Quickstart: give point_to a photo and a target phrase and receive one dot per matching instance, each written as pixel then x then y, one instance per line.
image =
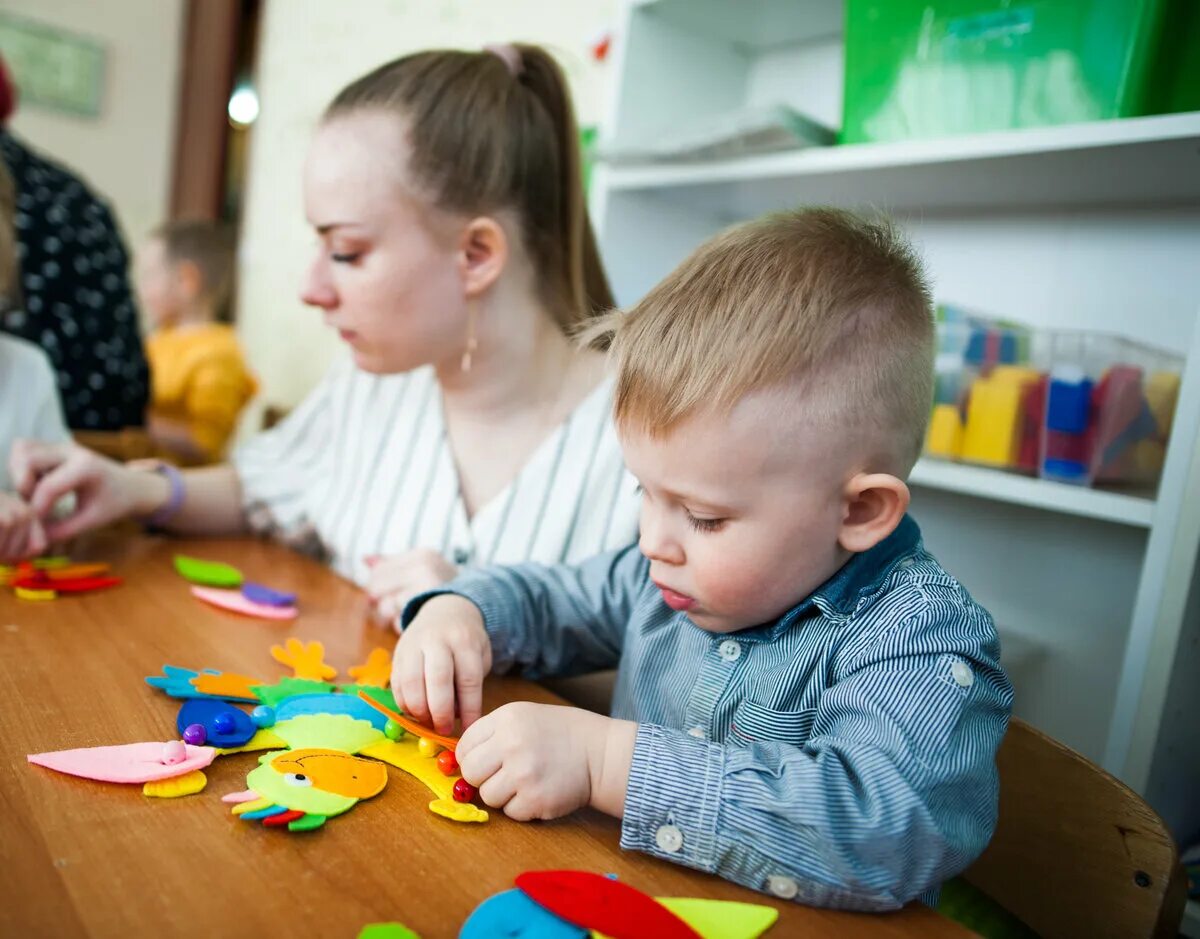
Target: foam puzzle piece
pixel 233 602
pixel 124 763
pixel 70 571
pixel 266 596
pixel 282 818
pixel 307 823
pixel 66 585
pixel 224 724
pixel 403 754
pixel 332 771
pixel 289 687
pixel 381 695
pixel 458 811
pixel 246 795
pixel 54 562
pixel 207 573
pixel 722 919
pixel 306 660
pixel 417 730
pixel 265 739
pixel 176 786
pixel 375 671
pixel 607 906
pixel 36 596
pixel 327 731
pixel 386 931
pixel 177 682
pixel 512 913
pixel 229 686
pixel 351 705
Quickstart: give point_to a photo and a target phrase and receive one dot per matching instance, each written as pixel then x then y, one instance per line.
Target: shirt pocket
pixel 757 723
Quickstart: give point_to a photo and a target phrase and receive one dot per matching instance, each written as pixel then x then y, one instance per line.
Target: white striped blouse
pixel 363 467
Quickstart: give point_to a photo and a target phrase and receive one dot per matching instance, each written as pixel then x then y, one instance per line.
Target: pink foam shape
pixel 125 763
pixel 235 602
pixel 246 795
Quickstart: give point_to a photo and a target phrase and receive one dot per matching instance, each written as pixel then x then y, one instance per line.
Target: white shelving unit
pixel 1080 226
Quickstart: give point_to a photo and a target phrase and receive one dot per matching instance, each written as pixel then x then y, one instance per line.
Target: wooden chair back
pixel 1077 852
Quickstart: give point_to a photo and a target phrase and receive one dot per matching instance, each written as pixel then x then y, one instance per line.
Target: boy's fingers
pixel 412 685
pixel 468 685
pixel 498 790
pixel 439 687
pixel 474 736
pixel 480 764
pixel 37 540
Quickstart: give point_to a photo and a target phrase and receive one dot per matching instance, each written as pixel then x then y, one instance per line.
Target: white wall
pixel 308 50
pixel 125 153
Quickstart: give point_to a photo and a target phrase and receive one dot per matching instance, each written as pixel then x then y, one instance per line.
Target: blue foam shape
pixel 512 913
pixel 257 593
pixel 263 813
pixel 177 682
pixel 330 703
pixel 204 711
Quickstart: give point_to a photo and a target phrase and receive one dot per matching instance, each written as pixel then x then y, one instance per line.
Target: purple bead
pixel 195 734
pixel 224 723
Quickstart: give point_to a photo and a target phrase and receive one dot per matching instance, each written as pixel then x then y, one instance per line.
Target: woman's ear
pixel 873 505
pixel 482 254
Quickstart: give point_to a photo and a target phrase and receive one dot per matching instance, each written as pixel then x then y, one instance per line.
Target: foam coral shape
pixel 305 660
pixel 234 602
pixel 227 685
pixel 376 671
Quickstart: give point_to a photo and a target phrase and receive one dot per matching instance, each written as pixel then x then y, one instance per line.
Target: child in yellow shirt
pixel 200 381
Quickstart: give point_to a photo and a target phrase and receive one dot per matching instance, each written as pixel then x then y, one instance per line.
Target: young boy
pixel 807 703
pixel 200 381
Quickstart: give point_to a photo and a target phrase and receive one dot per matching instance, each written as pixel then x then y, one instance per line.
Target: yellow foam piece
pixel 24 593
pixel 376 671
pixel 327 732
pixel 458 811
pixel 243 807
pixel 264 739
pixel 185 785
pixel 404 755
pixel 306 660
pixel 718 919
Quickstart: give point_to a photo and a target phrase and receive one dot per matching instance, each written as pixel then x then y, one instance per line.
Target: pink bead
pixel 174 752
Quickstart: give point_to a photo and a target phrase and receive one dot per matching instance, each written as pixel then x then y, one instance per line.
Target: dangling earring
pixel 471 342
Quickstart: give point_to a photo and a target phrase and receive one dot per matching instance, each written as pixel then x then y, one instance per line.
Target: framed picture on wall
pixel 53 68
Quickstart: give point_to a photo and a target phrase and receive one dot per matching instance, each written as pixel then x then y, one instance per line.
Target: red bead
pixel 464 791
pixel 447 763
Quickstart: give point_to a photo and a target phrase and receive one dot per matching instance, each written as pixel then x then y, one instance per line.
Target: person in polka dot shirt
pixel 77 302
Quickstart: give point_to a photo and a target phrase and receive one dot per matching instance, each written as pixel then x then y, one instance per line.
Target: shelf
pixel 1037 493
pixel 1190 926
pixel 1134 161
pixel 756 25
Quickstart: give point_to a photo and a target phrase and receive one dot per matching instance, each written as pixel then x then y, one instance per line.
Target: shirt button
pixel 697 732
pixel 783 887
pixel 962 674
pixel 669 839
pixel 730 650
pixel 461 555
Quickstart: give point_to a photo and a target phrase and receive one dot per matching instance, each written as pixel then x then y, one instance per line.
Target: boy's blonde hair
pixel 819 299
pixel 209 246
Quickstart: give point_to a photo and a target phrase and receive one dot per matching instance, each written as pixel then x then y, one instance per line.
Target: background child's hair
pixel 209 246
pixel 10 269
pixel 821 298
pixel 485 139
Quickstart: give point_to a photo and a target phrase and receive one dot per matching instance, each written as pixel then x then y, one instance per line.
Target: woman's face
pixel 385 274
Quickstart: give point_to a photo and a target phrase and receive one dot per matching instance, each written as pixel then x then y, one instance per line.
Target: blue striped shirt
pixel 842 755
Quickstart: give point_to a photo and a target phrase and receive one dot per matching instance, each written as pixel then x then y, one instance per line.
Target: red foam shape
pixel 67 585
pixel 607 906
pixel 283 817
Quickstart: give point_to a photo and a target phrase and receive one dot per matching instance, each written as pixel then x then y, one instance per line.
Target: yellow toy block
pixel 992 434
pixel 944 437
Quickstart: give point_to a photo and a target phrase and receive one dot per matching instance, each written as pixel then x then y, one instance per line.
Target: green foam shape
pixel 288 688
pixel 381 695
pixel 207 573
pixel 722 919
pixel 327 732
pixel 387 931
pixel 306 823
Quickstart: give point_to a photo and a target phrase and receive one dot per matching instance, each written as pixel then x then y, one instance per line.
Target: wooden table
pixel 80 858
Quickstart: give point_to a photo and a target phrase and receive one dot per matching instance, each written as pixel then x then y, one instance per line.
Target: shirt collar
pixel 841 592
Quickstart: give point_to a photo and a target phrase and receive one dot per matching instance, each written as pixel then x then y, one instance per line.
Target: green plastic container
pixel 936 68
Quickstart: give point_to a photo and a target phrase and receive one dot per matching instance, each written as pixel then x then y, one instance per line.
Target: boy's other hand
pixel 394 580
pixel 545 760
pixel 442 657
pixel 21 532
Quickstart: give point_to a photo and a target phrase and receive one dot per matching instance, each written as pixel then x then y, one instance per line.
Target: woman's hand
pixel 104 489
pixel 395 580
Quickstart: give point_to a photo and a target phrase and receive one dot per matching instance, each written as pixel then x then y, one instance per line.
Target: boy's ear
pixel 874 504
pixel 482 254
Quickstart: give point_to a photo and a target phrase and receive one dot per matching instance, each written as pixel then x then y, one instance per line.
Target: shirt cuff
pixel 673 797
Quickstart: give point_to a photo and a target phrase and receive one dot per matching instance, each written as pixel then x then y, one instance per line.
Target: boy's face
pixel 157 286
pixel 741 513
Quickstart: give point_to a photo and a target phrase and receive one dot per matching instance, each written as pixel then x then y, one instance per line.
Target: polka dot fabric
pixel 78 305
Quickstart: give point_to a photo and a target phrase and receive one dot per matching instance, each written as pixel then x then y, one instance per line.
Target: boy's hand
pixel 21 532
pixel 394 580
pixel 544 761
pixel 442 657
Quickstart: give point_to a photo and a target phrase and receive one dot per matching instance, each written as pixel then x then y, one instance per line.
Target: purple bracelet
pixel 165 512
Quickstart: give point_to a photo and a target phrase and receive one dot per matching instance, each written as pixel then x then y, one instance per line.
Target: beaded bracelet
pixel 169 509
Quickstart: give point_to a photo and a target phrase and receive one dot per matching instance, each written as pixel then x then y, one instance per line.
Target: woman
pixel 455 260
